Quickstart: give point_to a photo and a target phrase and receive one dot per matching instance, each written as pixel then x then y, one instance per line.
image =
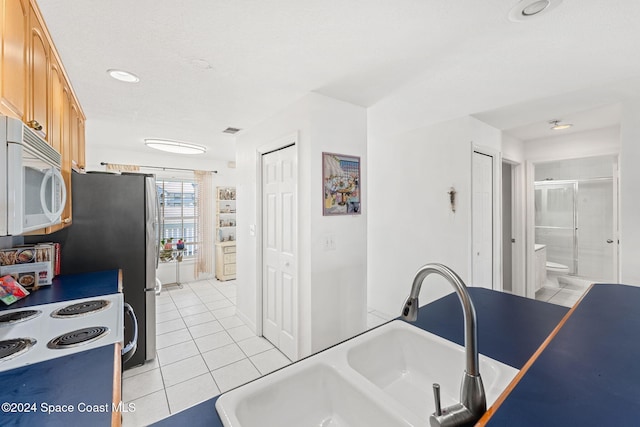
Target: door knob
pixel 609 241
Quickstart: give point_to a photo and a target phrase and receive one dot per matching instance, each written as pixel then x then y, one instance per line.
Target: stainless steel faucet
pixel 473 402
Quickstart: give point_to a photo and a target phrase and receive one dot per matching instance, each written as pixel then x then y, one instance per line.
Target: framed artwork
pixel 341 184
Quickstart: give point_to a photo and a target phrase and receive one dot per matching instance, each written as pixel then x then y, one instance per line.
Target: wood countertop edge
pixel 507 391
pixel 116 416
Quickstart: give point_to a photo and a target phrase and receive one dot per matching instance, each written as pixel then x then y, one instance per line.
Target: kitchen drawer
pixel 229 249
pixel 229 269
pixel 229 258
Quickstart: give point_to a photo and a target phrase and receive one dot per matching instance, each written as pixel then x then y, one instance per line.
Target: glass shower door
pixel 555 221
pixel 596 240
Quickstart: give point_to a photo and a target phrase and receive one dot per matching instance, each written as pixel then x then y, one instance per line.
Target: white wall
pixel 629 191
pixel 332 284
pixel 512 149
pixel 410 219
pixel 580 144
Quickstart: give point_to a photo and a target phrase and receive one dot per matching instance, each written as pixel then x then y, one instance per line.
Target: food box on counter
pixel 42 254
pixel 31 275
pixel 10 290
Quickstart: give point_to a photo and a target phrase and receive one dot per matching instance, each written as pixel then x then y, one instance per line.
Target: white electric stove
pixel 33 334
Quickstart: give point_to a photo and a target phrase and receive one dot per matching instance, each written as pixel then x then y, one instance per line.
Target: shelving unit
pixel 225 233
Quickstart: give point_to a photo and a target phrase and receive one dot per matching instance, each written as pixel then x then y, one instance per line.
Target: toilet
pixel 555 270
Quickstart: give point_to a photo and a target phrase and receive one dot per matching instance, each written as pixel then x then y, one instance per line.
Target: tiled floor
pixel 569 292
pixel 203 349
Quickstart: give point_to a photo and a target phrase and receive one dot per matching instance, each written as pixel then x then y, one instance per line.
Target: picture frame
pixel 341 185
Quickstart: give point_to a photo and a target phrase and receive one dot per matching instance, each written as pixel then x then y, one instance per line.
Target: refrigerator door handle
pixel 129 350
pixel 157 289
pixel 157 226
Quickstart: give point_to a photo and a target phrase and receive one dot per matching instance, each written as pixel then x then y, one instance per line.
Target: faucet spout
pixel 472 396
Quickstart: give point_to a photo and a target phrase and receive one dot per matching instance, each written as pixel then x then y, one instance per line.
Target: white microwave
pixel 32 190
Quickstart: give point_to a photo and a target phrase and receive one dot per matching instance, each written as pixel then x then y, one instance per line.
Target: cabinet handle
pixel 33 124
pixel 67 220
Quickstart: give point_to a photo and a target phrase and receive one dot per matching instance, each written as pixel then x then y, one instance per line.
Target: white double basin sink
pixel 382 378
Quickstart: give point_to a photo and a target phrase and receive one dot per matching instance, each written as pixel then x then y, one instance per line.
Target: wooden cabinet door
pixel 59 130
pixel 81 142
pixel 14 21
pixel 77 138
pixel 56 104
pixel 38 72
pixel 69 127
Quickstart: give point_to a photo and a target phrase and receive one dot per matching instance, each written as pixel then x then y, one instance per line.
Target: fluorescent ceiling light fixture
pixel 559 126
pixel 175 146
pixel 528 9
pixel 123 76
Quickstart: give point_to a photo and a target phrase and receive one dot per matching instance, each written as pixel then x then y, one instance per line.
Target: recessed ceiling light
pixel 175 146
pixel 559 126
pixel 527 9
pixel 123 76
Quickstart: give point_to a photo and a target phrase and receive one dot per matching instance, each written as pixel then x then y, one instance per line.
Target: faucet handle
pixel 436 397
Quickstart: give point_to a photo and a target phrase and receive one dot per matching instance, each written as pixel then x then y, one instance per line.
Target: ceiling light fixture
pixel 527 9
pixel 535 8
pixel 557 126
pixel 175 146
pixel 123 76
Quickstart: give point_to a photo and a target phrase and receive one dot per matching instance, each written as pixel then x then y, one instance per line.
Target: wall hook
pixel 452 198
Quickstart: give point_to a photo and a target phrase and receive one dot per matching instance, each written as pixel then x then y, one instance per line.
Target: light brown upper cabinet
pixel 38 75
pixel 76 137
pixel 59 131
pixel 14 18
pixel 35 88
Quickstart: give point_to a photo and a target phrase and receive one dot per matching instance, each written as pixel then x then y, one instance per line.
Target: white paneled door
pixel 279 264
pixel 482 225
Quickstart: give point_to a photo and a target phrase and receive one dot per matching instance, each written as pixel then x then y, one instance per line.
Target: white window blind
pixel 178 212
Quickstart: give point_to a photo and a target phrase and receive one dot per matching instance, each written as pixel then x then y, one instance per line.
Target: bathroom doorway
pixel 576 223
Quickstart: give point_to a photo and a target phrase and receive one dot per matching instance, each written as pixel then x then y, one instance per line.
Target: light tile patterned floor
pixel 203 349
pixel 567 294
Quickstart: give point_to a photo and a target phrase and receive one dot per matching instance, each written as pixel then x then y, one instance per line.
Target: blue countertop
pixel 585 376
pixel 510 329
pixel 71 287
pixel 588 375
pixel 80 381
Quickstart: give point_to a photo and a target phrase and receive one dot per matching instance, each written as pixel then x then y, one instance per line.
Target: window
pixel 178 212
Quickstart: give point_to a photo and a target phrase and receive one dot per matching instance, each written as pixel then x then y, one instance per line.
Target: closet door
pixel 279 235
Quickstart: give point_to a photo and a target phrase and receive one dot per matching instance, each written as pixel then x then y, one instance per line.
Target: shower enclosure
pixel 575 219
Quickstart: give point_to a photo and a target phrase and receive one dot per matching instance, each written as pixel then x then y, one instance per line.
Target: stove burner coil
pixel 18 316
pixel 81 308
pixel 15 347
pixel 78 337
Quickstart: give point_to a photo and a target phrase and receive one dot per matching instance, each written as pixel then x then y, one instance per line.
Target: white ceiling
pixel 209 64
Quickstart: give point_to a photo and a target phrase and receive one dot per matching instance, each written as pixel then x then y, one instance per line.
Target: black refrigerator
pixel 115 225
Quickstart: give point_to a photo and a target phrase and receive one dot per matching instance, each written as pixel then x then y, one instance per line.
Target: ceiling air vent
pixel 232 131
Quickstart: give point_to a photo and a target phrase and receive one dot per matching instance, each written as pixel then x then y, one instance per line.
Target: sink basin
pixel 380 378
pixel 404 361
pixel 316 395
